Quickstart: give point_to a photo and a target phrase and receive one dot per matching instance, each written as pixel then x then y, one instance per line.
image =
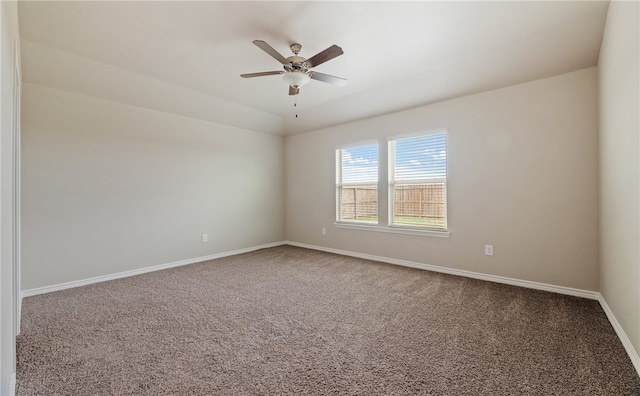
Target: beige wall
pixel 619 67
pixel 109 187
pixel 522 176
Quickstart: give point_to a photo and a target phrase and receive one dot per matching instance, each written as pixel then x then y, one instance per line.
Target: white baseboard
pixel 12 390
pixel 469 274
pixel 633 355
pixel 452 271
pixel 118 275
pixel 626 342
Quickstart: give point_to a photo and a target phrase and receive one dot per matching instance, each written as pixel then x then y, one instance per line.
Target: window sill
pixel 394 230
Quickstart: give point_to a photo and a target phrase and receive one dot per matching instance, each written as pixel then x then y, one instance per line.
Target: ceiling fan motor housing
pixel 296 64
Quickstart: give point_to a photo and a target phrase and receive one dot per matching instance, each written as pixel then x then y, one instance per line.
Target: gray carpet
pixel 291 321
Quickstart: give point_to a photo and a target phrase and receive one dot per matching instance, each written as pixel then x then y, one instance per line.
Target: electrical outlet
pixel 324 231
pixel 205 238
pixel 488 250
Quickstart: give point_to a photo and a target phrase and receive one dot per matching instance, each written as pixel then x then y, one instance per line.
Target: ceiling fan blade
pixel 260 74
pixel 293 90
pixel 340 82
pixel 324 56
pixel 269 50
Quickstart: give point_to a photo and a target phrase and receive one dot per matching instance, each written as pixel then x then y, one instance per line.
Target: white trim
pixel 592 295
pixel 17 258
pixel 628 346
pixel 393 229
pixel 12 388
pixel 125 274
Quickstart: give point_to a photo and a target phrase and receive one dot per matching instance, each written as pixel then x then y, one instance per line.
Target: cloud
pixel 348 158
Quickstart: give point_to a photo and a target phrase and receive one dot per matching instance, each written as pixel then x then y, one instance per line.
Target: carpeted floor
pixel 291 321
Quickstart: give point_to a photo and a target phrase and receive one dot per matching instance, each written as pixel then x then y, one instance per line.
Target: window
pixel 418 181
pixel 357 184
pixel 412 198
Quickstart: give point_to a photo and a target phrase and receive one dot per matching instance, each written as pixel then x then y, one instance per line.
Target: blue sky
pixel 416 158
pixel 422 157
pixel 360 164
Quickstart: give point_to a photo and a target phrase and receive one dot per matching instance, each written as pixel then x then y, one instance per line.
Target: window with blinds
pixel 418 181
pixel 357 184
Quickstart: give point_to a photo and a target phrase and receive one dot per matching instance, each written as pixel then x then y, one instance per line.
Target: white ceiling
pixel 186 57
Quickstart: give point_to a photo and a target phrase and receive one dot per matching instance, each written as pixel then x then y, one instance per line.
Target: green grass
pixel 371 219
pixel 417 221
pixel 410 221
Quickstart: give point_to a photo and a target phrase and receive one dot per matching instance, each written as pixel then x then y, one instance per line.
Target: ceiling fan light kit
pixel 296 79
pixel 297 69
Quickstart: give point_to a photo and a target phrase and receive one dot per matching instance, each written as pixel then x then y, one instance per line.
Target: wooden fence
pixel 419 204
pixel 359 203
pixel 411 202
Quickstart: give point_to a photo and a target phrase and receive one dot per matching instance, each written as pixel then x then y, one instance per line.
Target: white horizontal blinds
pixel 417 185
pixel 357 184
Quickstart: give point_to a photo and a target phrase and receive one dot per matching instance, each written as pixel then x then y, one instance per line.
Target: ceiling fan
pixel 297 71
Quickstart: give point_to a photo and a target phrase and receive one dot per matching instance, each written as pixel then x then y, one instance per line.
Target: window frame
pixel 392 182
pixel 384 191
pixel 339 184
